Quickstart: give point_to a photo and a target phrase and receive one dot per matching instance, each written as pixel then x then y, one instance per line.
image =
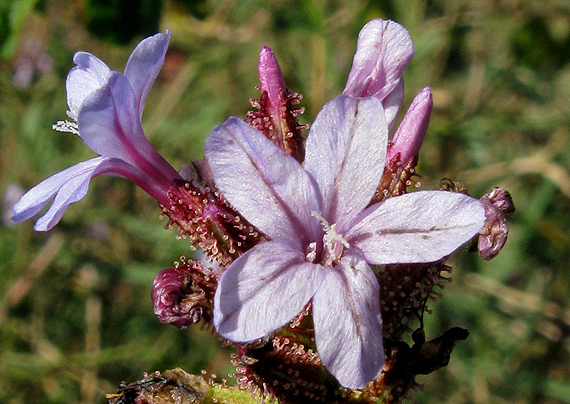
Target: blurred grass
pixel 75 312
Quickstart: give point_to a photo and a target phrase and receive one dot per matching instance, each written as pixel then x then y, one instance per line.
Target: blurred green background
pixel 75 313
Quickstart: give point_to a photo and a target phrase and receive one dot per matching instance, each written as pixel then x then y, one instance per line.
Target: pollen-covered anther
pixel 311 253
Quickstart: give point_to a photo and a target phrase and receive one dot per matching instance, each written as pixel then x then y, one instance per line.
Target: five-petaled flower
pixel 323 235
pixel 106 109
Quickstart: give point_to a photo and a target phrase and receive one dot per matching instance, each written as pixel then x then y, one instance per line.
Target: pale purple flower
pixel 383 51
pixel 106 109
pixel 323 235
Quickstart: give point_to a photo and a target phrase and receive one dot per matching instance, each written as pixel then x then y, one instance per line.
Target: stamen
pixel 333 241
pixel 66 126
pixel 311 253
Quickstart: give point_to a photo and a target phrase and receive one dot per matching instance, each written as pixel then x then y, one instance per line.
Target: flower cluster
pixel 317 239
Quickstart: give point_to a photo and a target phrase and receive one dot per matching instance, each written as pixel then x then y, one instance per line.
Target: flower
pixel 323 235
pixel 182 295
pixel 383 52
pixel 106 109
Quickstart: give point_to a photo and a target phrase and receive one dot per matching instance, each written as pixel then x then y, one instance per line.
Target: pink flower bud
pixel 276 115
pixel 271 81
pixel 412 130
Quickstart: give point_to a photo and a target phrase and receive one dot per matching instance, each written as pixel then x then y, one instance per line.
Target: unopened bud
pixel 183 295
pixel 271 80
pixel 276 115
pixel 412 130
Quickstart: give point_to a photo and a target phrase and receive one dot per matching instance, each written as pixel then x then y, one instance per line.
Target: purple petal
pixel 348 326
pixel 144 64
pixel 263 290
pixel 345 153
pixel 410 134
pixel 68 186
pixel 383 51
pixel 392 103
pixel 89 75
pixel 109 124
pixel 37 197
pixel 268 187
pixel 418 227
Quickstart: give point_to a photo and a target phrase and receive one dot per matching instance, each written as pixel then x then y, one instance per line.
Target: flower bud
pixel 276 116
pixel 182 295
pixel 412 130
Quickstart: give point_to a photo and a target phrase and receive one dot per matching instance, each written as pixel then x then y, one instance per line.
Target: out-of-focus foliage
pixel 75 312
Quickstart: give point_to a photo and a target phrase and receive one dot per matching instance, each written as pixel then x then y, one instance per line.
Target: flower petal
pixel 418 227
pixel 68 186
pixel 144 64
pixel 392 103
pixel 109 124
pixel 89 75
pixel 348 325
pixel 266 186
pixel 108 121
pixel 345 153
pixel 383 51
pixel 37 197
pixel 263 290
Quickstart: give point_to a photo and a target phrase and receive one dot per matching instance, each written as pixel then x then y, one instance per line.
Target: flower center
pixel 333 243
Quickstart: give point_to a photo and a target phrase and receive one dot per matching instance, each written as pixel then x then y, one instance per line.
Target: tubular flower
pixel 324 235
pixel 383 52
pixel 106 108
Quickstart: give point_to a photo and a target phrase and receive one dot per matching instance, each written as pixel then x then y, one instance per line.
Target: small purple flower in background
pixel 106 109
pixel 12 193
pixel 323 236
